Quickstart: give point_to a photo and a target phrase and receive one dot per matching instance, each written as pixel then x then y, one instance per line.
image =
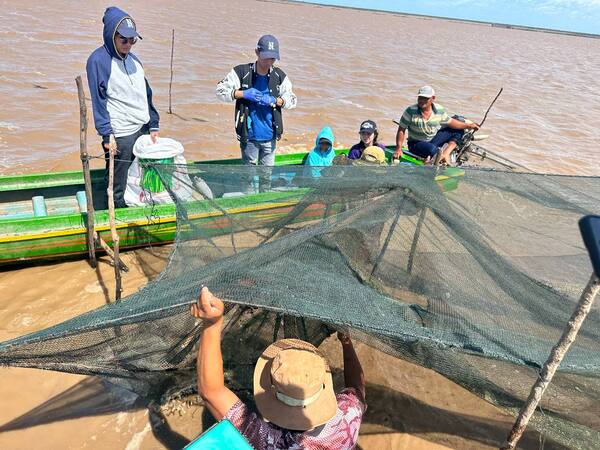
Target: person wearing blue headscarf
pixel 323 153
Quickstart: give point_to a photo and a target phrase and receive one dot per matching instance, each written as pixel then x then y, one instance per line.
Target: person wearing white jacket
pixel 260 92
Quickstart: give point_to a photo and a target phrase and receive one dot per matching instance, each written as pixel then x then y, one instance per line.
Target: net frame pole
pixel 551 365
pixel 388 238
pixel 171 79
pixel 423 212
pixel 85 162
pixel 111 215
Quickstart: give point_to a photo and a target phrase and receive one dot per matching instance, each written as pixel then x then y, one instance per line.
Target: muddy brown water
pixel 346 66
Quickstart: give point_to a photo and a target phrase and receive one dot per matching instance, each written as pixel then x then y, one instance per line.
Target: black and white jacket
pixel 242 77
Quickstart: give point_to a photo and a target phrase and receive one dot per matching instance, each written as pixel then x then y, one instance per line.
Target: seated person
pixel 430 129
pixel 322 154
pixel 293 390
pixel 368 136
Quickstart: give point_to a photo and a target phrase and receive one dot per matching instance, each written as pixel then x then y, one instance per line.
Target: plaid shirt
pixel 340 433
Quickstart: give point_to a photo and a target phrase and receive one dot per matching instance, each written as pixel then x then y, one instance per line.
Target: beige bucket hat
pixel 372 155
pixel 293 387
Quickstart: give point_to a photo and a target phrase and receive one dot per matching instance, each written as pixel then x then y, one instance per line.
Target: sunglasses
pixel 125 40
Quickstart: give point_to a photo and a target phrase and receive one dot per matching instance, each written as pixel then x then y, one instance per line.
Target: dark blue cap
pixel 127 28
pixel 268 47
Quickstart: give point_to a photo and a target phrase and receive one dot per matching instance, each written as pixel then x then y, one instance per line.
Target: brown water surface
pixel 346 66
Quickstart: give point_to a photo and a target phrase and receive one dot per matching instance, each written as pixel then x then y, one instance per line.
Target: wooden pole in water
pixel 111 214
pixel 171 81
pixel 556 355
pixel 85 162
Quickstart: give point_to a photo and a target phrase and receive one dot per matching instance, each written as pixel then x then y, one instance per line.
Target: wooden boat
pixel 43 216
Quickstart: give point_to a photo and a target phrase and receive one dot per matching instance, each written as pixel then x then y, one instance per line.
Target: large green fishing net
pixel 471 273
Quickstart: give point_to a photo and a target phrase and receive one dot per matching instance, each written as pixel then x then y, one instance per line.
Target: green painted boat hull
pixel 58 236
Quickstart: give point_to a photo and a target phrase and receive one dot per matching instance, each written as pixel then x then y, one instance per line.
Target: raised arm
pixel 353 373
pixel 211 381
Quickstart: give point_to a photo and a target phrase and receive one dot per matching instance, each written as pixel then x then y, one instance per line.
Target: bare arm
pixel 353 373
pixel 399 142
pixel 211 381
pixel 458 125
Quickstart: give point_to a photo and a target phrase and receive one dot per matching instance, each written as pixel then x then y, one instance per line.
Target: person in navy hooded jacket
pixel 121 95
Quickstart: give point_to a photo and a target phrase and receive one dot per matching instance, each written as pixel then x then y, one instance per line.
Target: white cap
pixel 426 91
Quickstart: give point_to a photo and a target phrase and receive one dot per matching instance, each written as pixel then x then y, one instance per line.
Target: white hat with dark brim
pixel 426 91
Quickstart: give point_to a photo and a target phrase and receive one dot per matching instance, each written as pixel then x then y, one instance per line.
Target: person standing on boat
pixel 430 129
pixel 293 390
pixel 121 95
pixel 369 134
pixel 260 92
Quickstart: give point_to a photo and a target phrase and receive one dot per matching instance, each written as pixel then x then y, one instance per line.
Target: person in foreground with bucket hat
pixel 369 134
pixel 293 390
pixel 370 156
pixel 430 129
pixel 121 95
pixel 260 91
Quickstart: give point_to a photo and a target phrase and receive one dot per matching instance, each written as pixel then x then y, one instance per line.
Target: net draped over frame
pixel 472 273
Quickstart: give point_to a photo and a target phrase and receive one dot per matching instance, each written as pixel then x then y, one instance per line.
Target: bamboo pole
pixel 556 355
pixel 85 162
pixel 111 214
pixel 171 80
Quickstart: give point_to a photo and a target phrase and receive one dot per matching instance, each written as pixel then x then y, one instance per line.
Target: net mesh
pixel 471 273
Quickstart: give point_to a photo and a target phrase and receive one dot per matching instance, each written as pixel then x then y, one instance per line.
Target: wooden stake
pixel 111 214
pixel 556 355
pixel 85 161
pixel 171 81
pixel 109 251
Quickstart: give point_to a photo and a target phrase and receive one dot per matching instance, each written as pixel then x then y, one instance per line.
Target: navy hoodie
pixel 121 95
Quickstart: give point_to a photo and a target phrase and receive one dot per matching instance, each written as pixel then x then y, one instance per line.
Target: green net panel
pixel 470 273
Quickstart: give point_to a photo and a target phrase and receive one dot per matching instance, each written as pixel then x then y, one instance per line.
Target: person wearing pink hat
pixel 293 390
